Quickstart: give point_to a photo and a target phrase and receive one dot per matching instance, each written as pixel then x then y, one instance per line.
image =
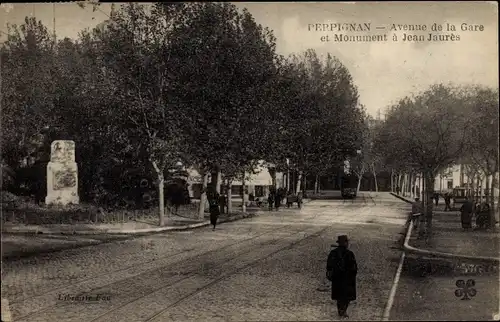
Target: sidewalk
pixel 449 238
pixel 28 240
pixel 432 269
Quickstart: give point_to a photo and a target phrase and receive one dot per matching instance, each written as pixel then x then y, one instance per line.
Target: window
pixel 236 190
pixel 259 191
pixel 449 184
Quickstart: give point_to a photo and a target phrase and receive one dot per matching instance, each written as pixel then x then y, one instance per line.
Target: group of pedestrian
pixel 447 200
pixel 275 198
pixel 481 211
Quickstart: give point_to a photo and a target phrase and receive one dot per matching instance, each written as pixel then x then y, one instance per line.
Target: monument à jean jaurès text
pixel 62 174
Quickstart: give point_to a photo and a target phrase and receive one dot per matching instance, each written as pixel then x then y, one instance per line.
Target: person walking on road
pixel 447 202
pixel 277 199
pixel 436 197
pixel 466 214
pixel 341 270
pixel 270 200
pixel 214 208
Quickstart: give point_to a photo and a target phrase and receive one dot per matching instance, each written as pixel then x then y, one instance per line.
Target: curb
pixel 427 253
pixel 129 231
pixel 432 254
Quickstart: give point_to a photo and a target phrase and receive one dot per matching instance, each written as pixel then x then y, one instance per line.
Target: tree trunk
pixel 430 178
pixel 316 186
pixel 496 212
pixel 203 198
pixel 480 187
pixel 375 177
pixel 161 193
pixel 392 181
pixel 299 183
pixel 161 199
pixel 229 197
pixel 421 231
pixel 487 189
pixel 218 182
pixel 272 173
pixel 360 176
pixel 244 206
pixel 492 206
pixel 404 183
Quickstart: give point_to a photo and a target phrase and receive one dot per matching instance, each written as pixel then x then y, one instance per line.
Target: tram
pixel 348 186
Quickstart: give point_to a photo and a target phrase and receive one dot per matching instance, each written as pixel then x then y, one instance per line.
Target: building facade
pixel 456 177
pixel 258 184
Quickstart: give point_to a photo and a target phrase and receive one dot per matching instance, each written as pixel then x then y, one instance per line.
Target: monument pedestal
pixel 62 175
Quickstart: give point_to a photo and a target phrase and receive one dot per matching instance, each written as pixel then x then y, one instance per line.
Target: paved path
pixel 264 268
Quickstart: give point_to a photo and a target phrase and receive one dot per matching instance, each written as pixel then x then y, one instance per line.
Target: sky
pixel 383 72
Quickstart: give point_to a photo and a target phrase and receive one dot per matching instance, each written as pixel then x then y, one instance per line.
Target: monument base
pixel 61 198
pixel 62 183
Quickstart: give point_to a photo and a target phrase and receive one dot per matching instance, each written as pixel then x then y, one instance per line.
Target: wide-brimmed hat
pixel 342 239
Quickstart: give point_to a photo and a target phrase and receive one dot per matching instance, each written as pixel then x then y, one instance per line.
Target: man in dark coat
pixel 447 202
pixel 466 214
pixel 436 198
pixel 277 199
pixel 270 200
pixel 341 270
pixel 214 208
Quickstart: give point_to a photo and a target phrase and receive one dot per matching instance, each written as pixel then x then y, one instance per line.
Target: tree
pixel 482 140
pixel 227 98
pixel 320 93
pixel 429 131
pixel 28 88
pixel 134 56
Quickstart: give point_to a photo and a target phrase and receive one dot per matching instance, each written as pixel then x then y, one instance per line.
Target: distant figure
pixel 270 200
pixel 213 201
pixel 466 214
pixel 277 199
pixel 416 206
pixel 300 197
pixel 483 216
pixel 398 190
pixel 436 198
pixel 341 270
pixel 447 202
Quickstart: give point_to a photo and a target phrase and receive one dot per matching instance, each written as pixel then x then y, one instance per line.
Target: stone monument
pixel 62 174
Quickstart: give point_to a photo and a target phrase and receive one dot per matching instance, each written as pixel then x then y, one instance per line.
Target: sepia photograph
pixel 250 161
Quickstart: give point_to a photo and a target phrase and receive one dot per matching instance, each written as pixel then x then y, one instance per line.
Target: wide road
pixel 269 267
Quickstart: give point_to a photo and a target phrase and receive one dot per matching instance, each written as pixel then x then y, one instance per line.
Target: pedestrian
pixel 214 209
pixel 270 200
pixel 466 214
pixel 300 197
pixel 447 202
pixel 341 270
pixel 397 190
pixel 416 208
pixel 277 199
pixel 483 216
pixel 436 197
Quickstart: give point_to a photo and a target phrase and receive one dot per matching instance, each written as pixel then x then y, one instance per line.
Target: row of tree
pixel 423 135
pixel 197 83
